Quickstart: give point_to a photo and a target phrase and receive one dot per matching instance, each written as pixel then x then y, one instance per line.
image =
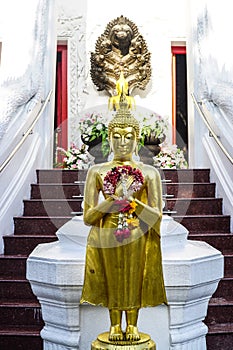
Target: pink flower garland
pixel 114 175
pixel 126 208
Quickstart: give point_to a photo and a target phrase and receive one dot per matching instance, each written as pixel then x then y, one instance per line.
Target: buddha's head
pixel 123 131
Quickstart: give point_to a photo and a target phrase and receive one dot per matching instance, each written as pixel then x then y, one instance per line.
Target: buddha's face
pixel 123 141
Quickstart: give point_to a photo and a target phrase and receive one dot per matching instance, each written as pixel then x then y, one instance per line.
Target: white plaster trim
pixel 20 176
pixel 219 167
pixel 221 171
pixel 17 188
pixel 71 29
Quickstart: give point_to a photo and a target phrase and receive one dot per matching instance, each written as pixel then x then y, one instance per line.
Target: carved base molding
pixel 102 343
pixel 72 30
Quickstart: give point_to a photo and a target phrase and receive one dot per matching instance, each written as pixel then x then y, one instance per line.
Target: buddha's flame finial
pixel 122 84
pixel 122 89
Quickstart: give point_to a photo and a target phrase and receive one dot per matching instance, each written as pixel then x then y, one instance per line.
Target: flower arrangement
pixel 170 157
pixel 93 127
pixel 75 158
pixel 127 219
pixel 153 127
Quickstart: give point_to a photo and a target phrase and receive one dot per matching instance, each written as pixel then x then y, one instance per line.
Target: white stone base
pixel 192 271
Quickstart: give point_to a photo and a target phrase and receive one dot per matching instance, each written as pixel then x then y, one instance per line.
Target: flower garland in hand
pixel 127 220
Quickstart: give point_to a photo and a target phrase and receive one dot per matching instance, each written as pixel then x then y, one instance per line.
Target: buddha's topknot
pixel 124 118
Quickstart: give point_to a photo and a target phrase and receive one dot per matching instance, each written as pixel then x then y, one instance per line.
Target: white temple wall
pixel 210 78
pixel 161 24
pixel 27 81
pixel 17 20
pixel 209 54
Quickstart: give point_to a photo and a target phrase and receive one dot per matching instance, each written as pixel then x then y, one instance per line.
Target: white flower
pixel 76 158
pixel 170 157
pixel 99 127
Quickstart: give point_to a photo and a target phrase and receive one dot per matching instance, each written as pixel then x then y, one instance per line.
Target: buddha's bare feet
pixel 115 333
pixel 132 333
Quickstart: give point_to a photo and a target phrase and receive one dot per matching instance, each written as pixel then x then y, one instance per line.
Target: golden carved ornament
pixel 121 48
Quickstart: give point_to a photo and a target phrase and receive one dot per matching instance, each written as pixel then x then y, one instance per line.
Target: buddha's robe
pixel 129 274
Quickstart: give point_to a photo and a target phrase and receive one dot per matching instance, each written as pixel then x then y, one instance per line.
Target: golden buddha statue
pixel 123 270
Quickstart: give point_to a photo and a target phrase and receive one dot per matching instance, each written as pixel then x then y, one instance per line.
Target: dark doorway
pixel 180 98
pixel 60 117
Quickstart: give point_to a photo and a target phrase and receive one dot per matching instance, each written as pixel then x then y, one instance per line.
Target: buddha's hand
pixel 123 187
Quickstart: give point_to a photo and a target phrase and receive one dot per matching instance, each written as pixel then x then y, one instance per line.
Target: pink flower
pixel 122 234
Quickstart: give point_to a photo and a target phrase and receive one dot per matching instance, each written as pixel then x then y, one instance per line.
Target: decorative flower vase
pixel 94 148
pixel 151 148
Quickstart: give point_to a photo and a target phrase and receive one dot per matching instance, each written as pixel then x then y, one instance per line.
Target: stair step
pixel 185 175
pixel 18 289
pixel 22 244
pixel 20 314
pixel 56 191
pixel 52 207
pixel 190 190
pixel 23 338
pixel 202 223
pixel 195 206
pixel 39 225
pixel 175 175
pixel 228 265
pixel 63 207
pixel 12 266
pixel 221 241
pixel 225 288
pixel 220 311
pixel 67 190
pixel 60 176
pixel 220 337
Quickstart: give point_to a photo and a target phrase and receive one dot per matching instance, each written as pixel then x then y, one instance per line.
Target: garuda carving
pixel 120 49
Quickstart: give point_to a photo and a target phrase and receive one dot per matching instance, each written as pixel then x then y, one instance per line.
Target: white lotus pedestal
pixel 192 271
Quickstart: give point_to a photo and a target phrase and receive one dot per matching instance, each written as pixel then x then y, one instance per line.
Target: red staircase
pixel 57 196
